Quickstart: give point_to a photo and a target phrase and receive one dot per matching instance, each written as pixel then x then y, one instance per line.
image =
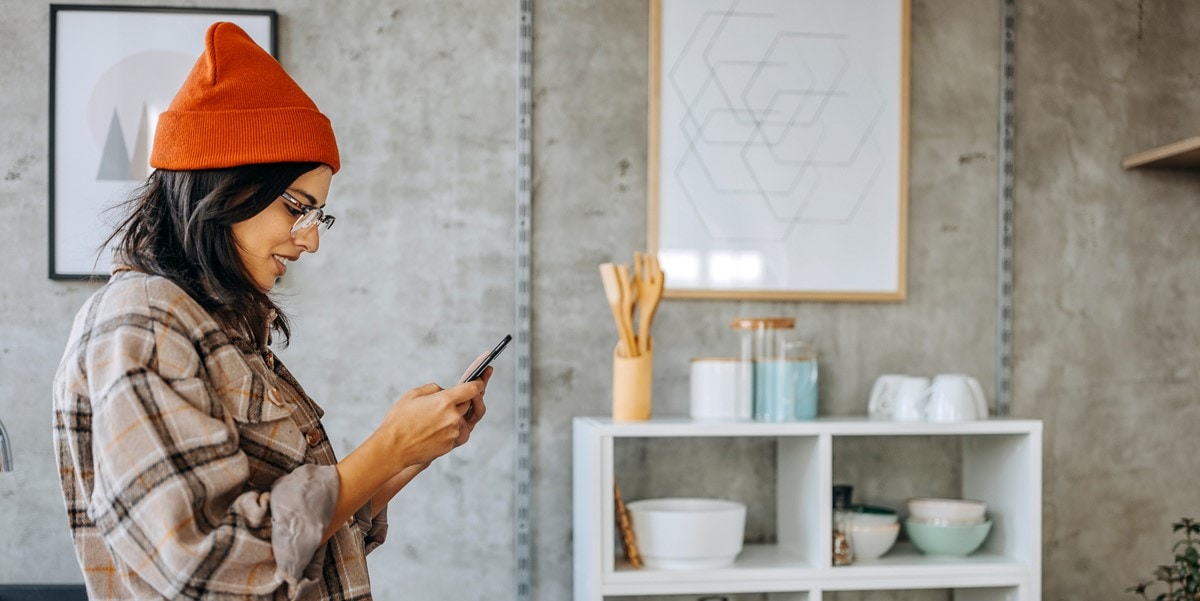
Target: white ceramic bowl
pixel 871 542
pixel 688 534
pixel 947 511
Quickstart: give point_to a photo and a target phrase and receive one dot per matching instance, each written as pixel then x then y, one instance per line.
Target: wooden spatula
pixel 614 295
pixel 649 289
pixel 628 301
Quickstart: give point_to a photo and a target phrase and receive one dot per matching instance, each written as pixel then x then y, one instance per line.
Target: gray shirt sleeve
pixel 374 529
pixel 302 504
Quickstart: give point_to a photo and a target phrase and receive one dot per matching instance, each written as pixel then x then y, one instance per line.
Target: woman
pixel 193 464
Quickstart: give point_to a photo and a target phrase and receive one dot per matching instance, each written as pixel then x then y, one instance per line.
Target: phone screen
pixel 478 372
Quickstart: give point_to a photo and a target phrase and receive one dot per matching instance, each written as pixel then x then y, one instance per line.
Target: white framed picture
pixel 113 69
pixel 778 148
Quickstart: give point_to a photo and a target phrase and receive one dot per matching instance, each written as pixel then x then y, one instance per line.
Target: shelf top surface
pixel 841 425
pixel 768 563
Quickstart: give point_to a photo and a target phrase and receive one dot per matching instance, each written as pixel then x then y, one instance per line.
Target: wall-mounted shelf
pixel 1184 153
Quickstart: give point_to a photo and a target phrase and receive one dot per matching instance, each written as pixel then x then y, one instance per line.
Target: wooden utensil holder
pixel 633 379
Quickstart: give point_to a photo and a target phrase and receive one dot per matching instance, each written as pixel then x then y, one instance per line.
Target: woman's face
pixel 265 241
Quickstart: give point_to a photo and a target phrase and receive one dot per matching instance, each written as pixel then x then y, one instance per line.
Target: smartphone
pixel 478 372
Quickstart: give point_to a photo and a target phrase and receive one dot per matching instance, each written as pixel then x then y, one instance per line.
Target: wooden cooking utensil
pixel 649 289
pixel 628 540
pixel 613 294
pixel 628 298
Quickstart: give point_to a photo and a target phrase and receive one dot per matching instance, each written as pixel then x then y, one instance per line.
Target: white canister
pixel 720 388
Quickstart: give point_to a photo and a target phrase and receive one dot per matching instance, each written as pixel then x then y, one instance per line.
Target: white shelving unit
pixel 1001 464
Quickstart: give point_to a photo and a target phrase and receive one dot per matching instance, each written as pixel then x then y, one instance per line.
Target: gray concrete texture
pixel 416 277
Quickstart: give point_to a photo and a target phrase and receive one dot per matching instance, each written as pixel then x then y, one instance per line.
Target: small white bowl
pixel 872 542
pixel 945 522
pixel 948 511
pixel 688 534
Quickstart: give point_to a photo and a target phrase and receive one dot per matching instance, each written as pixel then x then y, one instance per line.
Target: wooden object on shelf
pixel 628 540
pixel 1184 153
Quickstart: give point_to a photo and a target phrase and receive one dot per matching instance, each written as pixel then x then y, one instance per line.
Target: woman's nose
pixel 308 238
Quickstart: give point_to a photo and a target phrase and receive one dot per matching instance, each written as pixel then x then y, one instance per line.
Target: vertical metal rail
pixel 1004 288
pixel 523 269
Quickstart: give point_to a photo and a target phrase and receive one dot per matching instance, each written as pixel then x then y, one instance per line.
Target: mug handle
pixel 980 400
pixel 881 394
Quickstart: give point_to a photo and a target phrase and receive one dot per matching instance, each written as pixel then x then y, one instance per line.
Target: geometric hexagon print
pixel 781 146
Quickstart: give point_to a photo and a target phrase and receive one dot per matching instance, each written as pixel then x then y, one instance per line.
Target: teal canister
pixel 783 368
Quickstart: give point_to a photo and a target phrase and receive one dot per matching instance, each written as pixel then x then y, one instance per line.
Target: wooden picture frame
pixel 778 148
pixel 113 69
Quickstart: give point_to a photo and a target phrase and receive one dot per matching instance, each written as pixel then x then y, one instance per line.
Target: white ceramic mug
pixel 899 397
pixel 955 398
pixel 720 388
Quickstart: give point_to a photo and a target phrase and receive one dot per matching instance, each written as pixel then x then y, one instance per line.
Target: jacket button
pixel 313 436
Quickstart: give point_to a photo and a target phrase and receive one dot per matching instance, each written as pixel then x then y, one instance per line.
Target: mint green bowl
pixel 955 540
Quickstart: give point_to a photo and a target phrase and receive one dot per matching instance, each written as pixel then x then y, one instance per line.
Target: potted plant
pixel 1182 577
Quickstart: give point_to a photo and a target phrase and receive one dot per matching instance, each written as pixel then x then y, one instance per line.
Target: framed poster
pixel 113 69
pixel 778 148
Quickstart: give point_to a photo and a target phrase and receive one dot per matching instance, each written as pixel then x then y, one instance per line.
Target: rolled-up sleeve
pixel 171 496
pixel 302 504
pixel 374 528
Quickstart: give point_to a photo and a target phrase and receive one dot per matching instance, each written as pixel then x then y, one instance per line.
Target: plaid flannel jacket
pixel 193 465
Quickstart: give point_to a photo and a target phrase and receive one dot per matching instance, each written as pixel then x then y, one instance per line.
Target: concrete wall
pixel 416 277
pixel 1107 282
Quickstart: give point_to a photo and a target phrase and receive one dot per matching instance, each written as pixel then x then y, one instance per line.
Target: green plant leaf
pixel 1185 572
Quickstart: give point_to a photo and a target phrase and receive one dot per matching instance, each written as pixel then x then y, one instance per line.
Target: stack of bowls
pixel 872 531
pixel 954 527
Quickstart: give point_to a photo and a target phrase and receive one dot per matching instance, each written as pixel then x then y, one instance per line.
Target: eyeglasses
pixel 306 216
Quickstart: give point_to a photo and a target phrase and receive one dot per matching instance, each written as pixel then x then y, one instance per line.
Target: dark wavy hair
pixel 179 226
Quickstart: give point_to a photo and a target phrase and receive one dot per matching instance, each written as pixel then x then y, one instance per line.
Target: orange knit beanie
pixel 239 107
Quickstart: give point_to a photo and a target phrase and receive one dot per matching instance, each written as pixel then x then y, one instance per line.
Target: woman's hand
pixel 427 422
pixel 473 409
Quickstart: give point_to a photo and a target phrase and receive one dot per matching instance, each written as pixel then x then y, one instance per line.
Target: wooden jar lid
pixel 768 323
